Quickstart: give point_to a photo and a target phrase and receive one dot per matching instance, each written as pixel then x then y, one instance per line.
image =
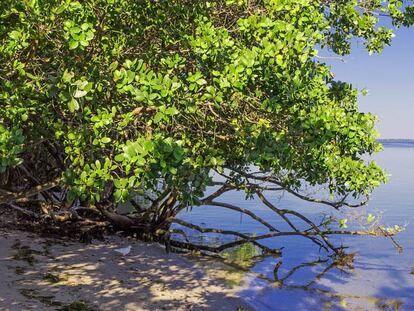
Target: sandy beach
pixel 42 273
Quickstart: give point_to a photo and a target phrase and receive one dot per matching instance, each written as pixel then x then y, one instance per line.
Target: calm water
pixel 380 277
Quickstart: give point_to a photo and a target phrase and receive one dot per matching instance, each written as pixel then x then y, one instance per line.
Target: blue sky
pixel 389 77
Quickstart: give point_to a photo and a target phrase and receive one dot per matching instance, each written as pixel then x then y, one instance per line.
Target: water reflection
pixel 305 278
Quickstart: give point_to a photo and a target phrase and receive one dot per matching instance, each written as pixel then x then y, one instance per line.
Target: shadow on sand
pixel 50 274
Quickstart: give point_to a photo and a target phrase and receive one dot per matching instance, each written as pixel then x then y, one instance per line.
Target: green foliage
pixel 343 223
pixel 135 92
pixel 11 144
pixel 370 218
pixel 242 255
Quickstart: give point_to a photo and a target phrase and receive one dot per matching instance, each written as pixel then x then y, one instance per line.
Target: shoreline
pixel 42 273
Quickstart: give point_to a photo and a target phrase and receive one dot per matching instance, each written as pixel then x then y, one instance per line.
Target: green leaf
pixel 67 76
pixel 171 111
pixel 80 93
pixel 75 30
pixel 370 218
pixel 201 82
pixel 89 35
pixel 15 35
pixel 158 117
pixel 73 44
pixel 119 157
pixel 105 140
pixel 73 105
pixel 342 223
pixel 213 161
pixel 84 42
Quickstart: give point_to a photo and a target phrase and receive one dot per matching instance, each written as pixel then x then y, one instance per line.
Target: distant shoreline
pixel 397 140
pixel 401 142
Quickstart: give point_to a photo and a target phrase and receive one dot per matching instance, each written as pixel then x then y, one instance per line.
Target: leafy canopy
pixel 131 93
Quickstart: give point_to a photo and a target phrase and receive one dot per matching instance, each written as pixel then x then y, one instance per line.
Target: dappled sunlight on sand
pixel 58 273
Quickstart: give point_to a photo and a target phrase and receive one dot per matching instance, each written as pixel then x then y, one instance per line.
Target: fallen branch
pixel 282 213
pixel 8 197
pixel 24 211
pixel 242 210
pixel 276 182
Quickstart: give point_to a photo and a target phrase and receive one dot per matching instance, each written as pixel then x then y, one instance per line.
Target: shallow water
pixel 380 277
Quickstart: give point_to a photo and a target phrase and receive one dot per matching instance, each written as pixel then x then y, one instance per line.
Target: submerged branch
pixel 225 232
pixel 251 239
pixel 294 233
